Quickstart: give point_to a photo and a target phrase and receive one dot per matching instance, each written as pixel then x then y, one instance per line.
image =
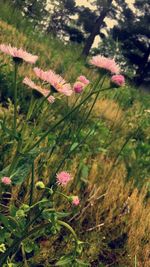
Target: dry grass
pixel 119 214
pixel 109 110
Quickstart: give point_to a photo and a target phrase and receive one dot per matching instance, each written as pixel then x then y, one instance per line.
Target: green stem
pixel 66 225
pixel 65 117
pixel 24 256
pixel 15 159
pixel 31 108
pixel 32 185
pixel 119 153
pixel 61 194
pixel 15 98
pixel 94 102
pixel 41 104
pixel 67 155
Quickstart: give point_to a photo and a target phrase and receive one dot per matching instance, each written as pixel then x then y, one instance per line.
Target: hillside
pixel 108 158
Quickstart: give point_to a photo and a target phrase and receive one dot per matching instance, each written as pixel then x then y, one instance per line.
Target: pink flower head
pixel 83 80
pixel 55 80
pixel 63 178
pixel 6 180
pixel 105 63
pixel 75 200
pixel 78 87
pixel 118 80
pixel 42 91
pixel 18 54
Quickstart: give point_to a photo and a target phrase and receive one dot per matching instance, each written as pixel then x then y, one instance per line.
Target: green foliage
pixel 133 35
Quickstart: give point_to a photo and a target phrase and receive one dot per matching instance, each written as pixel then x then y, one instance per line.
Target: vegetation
pixel 100 137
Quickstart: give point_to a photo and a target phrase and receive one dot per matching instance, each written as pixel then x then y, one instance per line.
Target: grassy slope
pixel 121 209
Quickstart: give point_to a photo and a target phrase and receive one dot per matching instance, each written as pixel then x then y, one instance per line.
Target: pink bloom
pixel 105 63
pixel 83 80
pixel 18 53
pixel 63 178
pixel 55 80
pixel 78 87
pixel 6 180
pixel 44 92
pixel 75 200
pixel 118 80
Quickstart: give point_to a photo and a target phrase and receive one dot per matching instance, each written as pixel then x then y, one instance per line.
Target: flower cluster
pixel 58 84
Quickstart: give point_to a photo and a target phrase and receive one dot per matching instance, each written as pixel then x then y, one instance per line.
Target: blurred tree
pixel 75 35
pixel 104 7
pixel 35 10
pixel 133 31
pixel 18 4
pixel 60 15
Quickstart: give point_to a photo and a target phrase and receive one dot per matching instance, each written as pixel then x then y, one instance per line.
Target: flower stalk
pixel 15 97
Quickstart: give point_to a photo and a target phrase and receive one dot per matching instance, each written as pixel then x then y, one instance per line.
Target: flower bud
pixel 40 185
pixel 118 80
pixel 6 180
pixel 78 87
pixel 74 200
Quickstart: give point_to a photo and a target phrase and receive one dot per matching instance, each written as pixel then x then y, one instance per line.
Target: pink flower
pixel 83 80
pixel 6 180
pixel 56 81
pixel 75 200
pixel 118 80
pixel 44 92
pixel 63 178
pixel 18 53
pixel 105 63
pixel 78 87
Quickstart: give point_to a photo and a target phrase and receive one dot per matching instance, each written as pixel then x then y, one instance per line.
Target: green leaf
pixel 85 171
pixel 9 223
pixel 62 214
pixel 81 263
pixel 64 260
pixel 29 246
pixel 21 173
pixel 74 145
pixel 4 220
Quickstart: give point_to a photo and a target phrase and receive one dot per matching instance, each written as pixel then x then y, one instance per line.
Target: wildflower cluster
pixel 39 214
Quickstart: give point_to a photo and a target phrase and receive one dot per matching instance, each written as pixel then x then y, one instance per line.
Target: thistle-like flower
pixel 63 178
pixel 44 92
pixel 18 54
pixel 105 63
pixel 56 81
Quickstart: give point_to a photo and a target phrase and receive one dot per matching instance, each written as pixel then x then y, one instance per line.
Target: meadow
pixel 74 163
